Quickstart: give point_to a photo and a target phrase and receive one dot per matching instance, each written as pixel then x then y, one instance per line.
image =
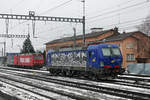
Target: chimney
pixel 96 30
pixel 116 30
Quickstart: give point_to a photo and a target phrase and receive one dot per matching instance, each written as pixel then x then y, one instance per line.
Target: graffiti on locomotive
pixel 69 59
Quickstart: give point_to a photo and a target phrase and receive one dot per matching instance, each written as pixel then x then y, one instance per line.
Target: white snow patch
pixel 19 93
pixel 66 89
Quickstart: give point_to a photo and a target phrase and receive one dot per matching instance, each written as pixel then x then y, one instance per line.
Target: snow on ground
pixel 79 92
pixel 67 89
pixel 116 86
pixel 41 71
pixel 140 77
pixel 22 72
pixel 19 93
pixel 53 95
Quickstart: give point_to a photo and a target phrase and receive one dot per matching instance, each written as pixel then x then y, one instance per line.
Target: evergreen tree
pixel 27 46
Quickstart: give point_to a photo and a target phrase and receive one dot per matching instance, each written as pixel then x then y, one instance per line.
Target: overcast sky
pixel 106 14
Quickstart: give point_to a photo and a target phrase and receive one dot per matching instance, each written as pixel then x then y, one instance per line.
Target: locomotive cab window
pixel 106 52
pixel 111 52
pixel 116 52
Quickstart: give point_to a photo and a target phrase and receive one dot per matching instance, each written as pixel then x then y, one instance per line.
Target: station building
pixel 133 45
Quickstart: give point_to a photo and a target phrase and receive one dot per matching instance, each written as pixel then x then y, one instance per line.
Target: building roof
pixel 92 34
pixel 119 37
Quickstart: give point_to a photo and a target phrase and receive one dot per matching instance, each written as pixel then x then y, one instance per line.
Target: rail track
pixel 5 77
pixel 122 80
pixel 126 77
pixel 107 90
pixel 19 92
pixel 135 77
pixel 31 87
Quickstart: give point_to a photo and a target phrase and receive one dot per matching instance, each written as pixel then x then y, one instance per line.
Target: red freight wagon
pixel 29 60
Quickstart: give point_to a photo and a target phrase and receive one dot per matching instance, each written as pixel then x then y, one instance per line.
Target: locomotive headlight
pixel 101 63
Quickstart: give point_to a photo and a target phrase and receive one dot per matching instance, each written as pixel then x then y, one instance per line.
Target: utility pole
pixel 28 30
pixel 7 25
pixel 34 18
pixel 33 27
pixel 74 44
pixel 2 51
pixel 32 13
pixel 5 48
pixel 84 42
pixel 7 28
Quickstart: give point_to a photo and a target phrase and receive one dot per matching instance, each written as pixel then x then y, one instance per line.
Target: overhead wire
pixel 112 7
pixel 137 4
pixel 58 27
pixel 127 22
pixel 46 11
pixel 130 21
pixel 123 8
pixel 111 16
pixel 60 5
pixel 14 6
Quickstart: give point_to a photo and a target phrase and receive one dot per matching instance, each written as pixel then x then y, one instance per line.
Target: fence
pixel 139 68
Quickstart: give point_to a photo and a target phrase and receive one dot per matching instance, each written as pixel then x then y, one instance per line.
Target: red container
pixel 29 60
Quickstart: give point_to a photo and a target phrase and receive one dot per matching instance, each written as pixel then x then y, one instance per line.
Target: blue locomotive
pixel 97 61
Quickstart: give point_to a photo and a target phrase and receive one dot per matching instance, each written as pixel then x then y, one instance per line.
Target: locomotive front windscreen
pixel 116 52
pixel 111 52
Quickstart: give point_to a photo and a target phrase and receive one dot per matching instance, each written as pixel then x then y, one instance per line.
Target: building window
pixel 129 45
pixel 130 57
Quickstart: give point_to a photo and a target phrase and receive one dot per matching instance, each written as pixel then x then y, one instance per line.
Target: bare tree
pixel 144 46
pixel 145 26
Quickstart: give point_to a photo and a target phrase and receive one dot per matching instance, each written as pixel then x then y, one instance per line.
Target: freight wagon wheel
pixel 53 72
pixel 109 78
pixel 94 77
pixel 50 72
pixel 114 76
pixel 59 72
pixel 63 73
pixel 69 73
pixel 89 75
pixel 56 72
